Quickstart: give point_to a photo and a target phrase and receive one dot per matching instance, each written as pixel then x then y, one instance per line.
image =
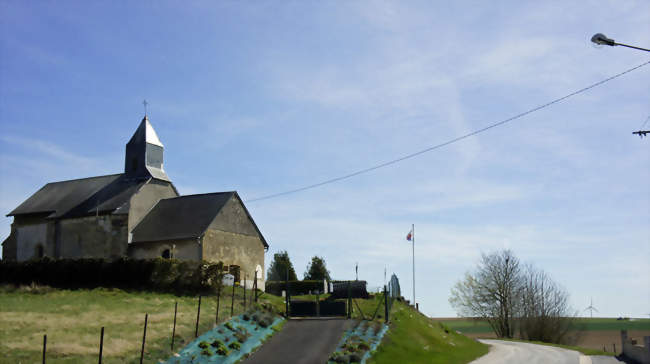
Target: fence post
pixel 44 347
pixel 174 329
pixel 244 291
pixel 144 337
pixel 286 296
pixel 614 344
pixel 385 304
pixel 101 345
pixel 317 304
pixel 349 301
pixel 255 289
pixel 216 317
pixel 232 300
pixel 198 313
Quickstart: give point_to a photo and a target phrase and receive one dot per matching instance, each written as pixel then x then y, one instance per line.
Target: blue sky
pixel 262 97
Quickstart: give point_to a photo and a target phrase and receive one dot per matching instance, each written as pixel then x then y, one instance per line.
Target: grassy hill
pixel 414 338
pixel 72 320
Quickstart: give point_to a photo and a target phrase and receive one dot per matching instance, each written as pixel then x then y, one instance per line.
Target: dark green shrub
pixel 222 350
pixel 235 345
pixel 229 326
pixel 242 335
pixel 203 344
pixel 216 343
pixel 355 357
pixel 207 352
pixel 166 275
pixel 363 346
pixel 342 359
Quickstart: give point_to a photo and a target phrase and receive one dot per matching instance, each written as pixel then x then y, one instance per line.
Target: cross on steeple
pixel 145 103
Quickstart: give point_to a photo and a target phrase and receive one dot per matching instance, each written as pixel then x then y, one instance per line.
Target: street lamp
pixel 601 39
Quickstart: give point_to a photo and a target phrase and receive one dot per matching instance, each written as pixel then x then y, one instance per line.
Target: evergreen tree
pixel 278 268
pixel 317 270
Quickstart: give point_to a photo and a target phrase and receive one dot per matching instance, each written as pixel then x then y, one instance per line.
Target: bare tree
pixel 506 295
pixel 545 312
pixel 493 292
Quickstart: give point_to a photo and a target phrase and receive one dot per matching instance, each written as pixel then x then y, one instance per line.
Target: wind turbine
pixel 591 308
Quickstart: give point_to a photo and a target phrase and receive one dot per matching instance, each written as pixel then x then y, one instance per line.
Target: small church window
pixel 39 251
pixel 166 254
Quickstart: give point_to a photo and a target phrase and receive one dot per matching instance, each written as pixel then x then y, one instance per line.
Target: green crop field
pixel 477 326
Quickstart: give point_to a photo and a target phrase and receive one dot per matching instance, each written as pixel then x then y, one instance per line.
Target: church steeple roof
pixel 145 132
pixel 144 153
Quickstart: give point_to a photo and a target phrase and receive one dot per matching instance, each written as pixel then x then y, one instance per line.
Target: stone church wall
pixel 148 195
pixel 233 218
pixel 184 249
pixel 104 236
pixel 28 240
pixel 31 237
pixel 236 249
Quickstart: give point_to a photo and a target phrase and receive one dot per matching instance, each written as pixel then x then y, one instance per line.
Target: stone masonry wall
pixel 184 249
pixel 236 249
pixel 104 236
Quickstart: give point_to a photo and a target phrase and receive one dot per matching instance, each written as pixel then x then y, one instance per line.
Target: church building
pixel 137 214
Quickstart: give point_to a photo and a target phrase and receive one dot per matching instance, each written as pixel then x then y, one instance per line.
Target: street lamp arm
pixel 630 46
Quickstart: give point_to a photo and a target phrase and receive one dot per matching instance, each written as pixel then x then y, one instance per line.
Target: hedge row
pixel 295 287
pixel 357 289
pixel 165 275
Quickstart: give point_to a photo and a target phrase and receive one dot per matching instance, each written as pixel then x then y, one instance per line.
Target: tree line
pixel 281 266
pixel 514 297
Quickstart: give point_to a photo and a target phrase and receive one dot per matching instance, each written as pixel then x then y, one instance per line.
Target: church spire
pixel 144 153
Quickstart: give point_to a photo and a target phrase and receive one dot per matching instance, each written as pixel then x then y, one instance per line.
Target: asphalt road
pixel 302 342
pixel 507 352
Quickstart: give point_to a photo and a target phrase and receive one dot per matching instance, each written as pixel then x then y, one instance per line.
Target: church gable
pixel 234 218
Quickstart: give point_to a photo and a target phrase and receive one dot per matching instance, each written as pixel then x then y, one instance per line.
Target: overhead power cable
pixel 444 144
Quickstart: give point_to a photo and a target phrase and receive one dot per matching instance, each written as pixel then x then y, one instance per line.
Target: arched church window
pixel 166 254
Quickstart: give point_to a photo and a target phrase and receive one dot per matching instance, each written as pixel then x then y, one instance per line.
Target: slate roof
pixel 82 197
pixel 184 217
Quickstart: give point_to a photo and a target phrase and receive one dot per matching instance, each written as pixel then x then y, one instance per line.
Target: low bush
pixel 295 287
pixel 222 350
pixel 207 352
pixel 242 335
pixel 235 345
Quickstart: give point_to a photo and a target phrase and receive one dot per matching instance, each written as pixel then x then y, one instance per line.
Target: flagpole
pixel 413 230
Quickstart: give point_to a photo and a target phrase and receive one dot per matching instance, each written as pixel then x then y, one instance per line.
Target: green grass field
pixel 72 320
pixel 473 326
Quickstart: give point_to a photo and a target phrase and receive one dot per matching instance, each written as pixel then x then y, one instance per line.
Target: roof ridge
pixel 199 194
pixel 79 179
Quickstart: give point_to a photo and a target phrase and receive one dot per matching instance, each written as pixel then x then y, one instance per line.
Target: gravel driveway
pixel 507 352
